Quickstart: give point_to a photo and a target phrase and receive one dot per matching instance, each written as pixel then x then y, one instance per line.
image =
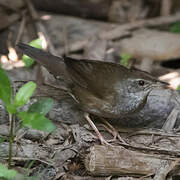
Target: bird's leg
pixel 113 131
pixel 102 140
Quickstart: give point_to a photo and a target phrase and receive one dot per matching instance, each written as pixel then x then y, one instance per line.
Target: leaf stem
pixel 11 139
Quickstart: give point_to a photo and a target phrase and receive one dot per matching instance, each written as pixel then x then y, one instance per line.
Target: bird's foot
pixel 99 135
pixel 103 141
pixel 112 131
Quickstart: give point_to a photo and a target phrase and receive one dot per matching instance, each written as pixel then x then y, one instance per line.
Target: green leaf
pixel 125 59
pixel 42 106
pixel 37 43
pixel 27 60
pixel 178 88
pixel 2 140
pixel 6 173
pixel 11 109
pixel 5 88
pixel 175 28
pixel 24 94
pixel 36 121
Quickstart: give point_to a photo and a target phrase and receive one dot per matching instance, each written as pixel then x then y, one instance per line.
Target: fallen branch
pixel 116 32
pixel 123 30
pixel 106 160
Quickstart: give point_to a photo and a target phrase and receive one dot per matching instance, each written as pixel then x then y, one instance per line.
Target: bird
pixel 104 89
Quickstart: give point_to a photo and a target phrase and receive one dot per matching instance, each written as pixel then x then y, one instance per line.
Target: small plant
pixel 178 88
pixel 2 139
pixel 33 118
pixel 37 43
pixel 175 28
pixel 125 59
pixel 6 173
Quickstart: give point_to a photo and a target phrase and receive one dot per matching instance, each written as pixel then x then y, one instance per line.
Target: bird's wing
pixel 97 76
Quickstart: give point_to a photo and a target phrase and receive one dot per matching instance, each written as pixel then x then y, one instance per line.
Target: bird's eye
pixel 141 82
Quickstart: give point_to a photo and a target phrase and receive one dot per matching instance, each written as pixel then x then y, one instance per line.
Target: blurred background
pixel 139 33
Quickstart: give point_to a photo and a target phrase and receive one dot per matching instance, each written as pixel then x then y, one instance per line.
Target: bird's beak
pixel 161 84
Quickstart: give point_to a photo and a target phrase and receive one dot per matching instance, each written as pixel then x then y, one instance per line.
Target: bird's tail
pixel 54 64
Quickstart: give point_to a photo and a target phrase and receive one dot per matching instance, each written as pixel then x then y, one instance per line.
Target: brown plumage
pixel 101 88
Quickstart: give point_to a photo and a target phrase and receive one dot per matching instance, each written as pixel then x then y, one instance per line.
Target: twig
pixel 31 9
pixel 165 168
pixel 21 28
pixel 166 7
pixel 156 132
pixel 143 23
pixel 33 159
pixel 39 25
pixel 11 139
pixel 152 149
pixel 171 120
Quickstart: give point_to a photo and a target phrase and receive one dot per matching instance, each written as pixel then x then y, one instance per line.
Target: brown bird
pixel 104 89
